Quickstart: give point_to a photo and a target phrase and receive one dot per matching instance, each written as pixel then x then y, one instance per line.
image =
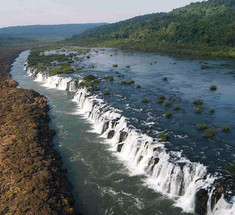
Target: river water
pixel 102 182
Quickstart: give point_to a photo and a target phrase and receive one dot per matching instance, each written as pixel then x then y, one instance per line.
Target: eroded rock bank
pixel 32 180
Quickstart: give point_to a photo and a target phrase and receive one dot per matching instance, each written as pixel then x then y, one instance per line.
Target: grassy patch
pixel 198 102
pixel 89 77
pixel 66 69
pixel 164 137
pixel 202 127
pixel 212 110
pixel 213 87
pixel 106 93
pixel 167 103
pixel 176 107
pixel 108 78
pixel 225 128
pixel 144 100
pixel 168 114
pixel 209 132
pixel 127 82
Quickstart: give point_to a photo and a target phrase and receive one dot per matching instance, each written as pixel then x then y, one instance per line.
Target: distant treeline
pixel 209 23
pixel 66 30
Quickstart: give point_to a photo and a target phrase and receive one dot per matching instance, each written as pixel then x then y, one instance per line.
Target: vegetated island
pixel 200 29
pixel 32 180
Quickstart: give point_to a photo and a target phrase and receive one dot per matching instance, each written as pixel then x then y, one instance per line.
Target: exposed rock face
pixel 201 202
pixel 31 179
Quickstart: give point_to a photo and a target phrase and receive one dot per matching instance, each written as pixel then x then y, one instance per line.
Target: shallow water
pixel 102 184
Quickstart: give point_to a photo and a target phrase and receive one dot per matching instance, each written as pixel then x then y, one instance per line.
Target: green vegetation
pixel 199 109
pixel 202 28
pixel 106 93
pixel 65 69
pixel 161 99
pixel 225 128
pixel 176 107
pixel 115 65
pixel 213 87
pixel 212 110
pixel 164 137
pixel 89 81
pixel 168 114
pixel 89 77
pixel 95 88
pixel 198 102
pixel 201 127
pixel 127 82
pixel 138 86
pixel 164 79
pixel 144 100
pixel 128 66
pixel 209 132
pixel 108 78
pixel 167 103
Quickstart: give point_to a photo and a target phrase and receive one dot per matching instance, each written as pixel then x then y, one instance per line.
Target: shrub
pixel 160 101
pixel 198 102
pixel 167 103
pixel 168 114
pixel 128 66
pixel 209 132
pixel 88 56
pixel 225 128
pixel 108 77
pixel 144 100
pixel 95 88
pixel 176 107
pixel 164 79
pixel 201 127
pixel 106 93
pixel 127 82
pixel 115 65
pixel 89 77
pixel 198 110
pixel 213 87
pixel 212 110
pixel 164 137
pixel 138 86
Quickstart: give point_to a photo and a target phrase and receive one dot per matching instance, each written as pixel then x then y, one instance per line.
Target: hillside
pixel 202 27
pixel 66 30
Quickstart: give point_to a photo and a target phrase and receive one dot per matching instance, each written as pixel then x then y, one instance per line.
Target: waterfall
pixel 168 172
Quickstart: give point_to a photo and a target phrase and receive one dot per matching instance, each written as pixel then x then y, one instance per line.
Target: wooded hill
pixel 66 30
pixel 208 26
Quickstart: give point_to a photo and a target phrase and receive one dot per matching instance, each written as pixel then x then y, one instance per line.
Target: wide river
pixel 102 183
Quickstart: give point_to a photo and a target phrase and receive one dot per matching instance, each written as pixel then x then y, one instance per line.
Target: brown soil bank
pixel 31 176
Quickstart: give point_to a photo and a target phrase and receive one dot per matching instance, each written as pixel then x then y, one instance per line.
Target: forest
pixel 204 27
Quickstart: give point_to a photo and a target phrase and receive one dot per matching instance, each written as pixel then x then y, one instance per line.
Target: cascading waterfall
pixel 168 172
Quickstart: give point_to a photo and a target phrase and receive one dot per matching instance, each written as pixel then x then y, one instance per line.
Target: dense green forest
pixel 206 27
pixel 66 30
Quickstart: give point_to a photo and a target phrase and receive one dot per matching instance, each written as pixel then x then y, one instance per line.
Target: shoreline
pixel 33 180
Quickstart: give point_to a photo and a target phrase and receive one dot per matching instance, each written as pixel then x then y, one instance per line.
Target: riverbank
pixel 185 50
pixel 31 174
